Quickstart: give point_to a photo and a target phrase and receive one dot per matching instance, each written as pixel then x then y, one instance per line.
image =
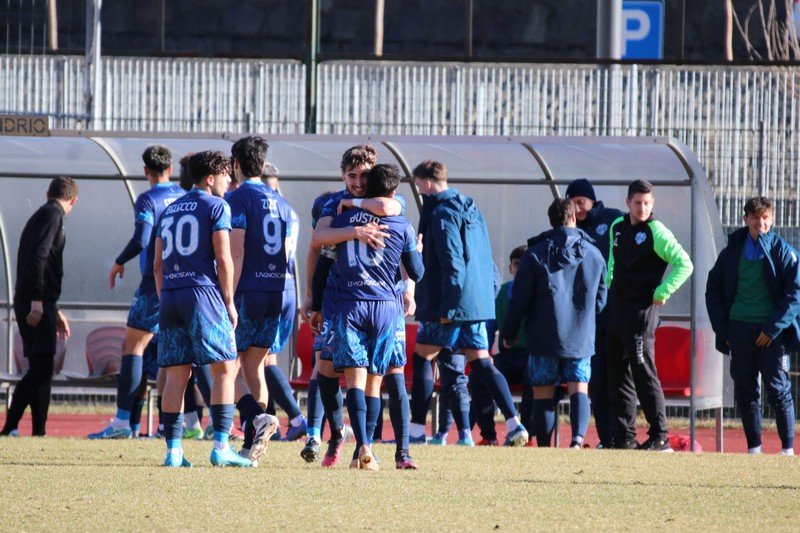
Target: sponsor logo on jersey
pixel 179 275
pixel 271 275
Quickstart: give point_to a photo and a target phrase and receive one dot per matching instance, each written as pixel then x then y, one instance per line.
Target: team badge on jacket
pixel 601 229
pixel 640 237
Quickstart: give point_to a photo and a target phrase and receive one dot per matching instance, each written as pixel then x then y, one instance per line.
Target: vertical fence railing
pixel 742 122
pixel 158 94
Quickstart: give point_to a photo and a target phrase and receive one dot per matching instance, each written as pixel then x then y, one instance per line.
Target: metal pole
pixel 762 161
pixel 379 9
pixel 311 67
pixel 468 28
pixel 680 34
pixel 609 29
pixel 52 22
pixel 87 74
pixel 162 19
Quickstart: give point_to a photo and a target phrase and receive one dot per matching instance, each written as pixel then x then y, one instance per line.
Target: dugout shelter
pixel 513 180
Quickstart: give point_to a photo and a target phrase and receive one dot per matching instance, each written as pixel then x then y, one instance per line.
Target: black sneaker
pixel 625 445
pixel 656 445
pixel 310 451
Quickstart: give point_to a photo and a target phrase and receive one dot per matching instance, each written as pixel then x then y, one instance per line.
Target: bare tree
pixel 778 32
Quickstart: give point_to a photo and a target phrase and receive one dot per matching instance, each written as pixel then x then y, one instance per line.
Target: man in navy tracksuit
pixel 753 301
pixel 454 301
pixel 558 291
pixel 595 219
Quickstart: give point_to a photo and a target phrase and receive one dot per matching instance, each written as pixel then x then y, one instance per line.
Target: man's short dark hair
pixel 157 158
pixel 431 170
pixel 208 163
pixel 62 188
pixel 639 187
pixel 517 253
pixel 561 212
pixel 184 176
pixel 363 154
pixel 382 181
pixel 759 205
pixel 251 152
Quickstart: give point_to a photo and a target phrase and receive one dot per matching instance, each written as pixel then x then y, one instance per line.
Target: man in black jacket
pixel 39 272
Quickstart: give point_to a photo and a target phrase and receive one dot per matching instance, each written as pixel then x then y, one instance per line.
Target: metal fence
pixel 155 95
pixel 741 122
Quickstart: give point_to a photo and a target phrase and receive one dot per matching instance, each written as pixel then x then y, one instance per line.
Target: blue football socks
pixel 399 410
pixel 579 409
pixel 373 411
pixel 130 379
pixel 222 415
pixel 357 409
pixel 331 395
pixel 314 409
pixel 497 385
pixel 421 389
pixel 543 421
pixel 280 391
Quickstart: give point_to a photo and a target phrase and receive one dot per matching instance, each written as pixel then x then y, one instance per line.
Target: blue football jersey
pixel 146 210
pixel 266 218
pixel 363 272
pixel 187 249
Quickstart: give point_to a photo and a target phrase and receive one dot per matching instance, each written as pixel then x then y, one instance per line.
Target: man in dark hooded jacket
pixel 558 290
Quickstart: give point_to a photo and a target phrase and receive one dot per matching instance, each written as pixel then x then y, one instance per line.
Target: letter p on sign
pixel 642 30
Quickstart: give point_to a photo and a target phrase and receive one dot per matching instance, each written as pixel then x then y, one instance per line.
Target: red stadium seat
pixel 104 350
pixel 304 347
pixel 673 359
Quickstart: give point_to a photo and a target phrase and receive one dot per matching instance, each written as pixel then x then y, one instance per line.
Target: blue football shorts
pixel 143 314
pixel 455 335
pixel 362 334
pixel 321 339
pixel 150 359
pixel 286 320
pixel 546 371
pixel 259 318
pixel 194 327
pixel 398 357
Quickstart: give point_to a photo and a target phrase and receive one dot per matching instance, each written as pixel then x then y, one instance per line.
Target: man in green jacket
pixel 641 250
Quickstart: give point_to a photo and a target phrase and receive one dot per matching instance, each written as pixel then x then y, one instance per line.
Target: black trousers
pixel 39 346
pixel 632 370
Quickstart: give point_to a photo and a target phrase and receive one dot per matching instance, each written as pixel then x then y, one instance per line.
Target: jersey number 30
pixel 184 238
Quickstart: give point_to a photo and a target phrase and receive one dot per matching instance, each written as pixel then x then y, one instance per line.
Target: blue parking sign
pixel 642 30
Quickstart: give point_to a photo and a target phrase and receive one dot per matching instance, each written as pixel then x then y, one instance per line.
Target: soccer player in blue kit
pixel 194 277
pixel 453 303
pixel 367 302
pixel 261 221
pixel 143 315
pixel 356 163
pixel 277 384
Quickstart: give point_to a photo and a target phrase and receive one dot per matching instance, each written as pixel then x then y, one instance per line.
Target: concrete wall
pixel 532 29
